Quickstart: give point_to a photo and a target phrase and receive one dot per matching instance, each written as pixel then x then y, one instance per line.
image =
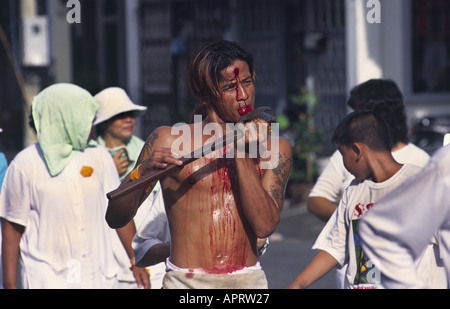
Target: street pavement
pixel 290 249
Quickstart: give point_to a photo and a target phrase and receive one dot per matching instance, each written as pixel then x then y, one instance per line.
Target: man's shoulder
pixel 284 145
pixel 175 130
pixel 161 134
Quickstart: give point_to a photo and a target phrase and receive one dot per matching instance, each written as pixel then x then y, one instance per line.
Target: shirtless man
pixel 217 206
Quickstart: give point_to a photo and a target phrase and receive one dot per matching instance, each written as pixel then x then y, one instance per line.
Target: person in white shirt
pixel 53 200
pixel 151 243
pixel 397 231
pixel 384 97
pixel 115 123
pixel 363 139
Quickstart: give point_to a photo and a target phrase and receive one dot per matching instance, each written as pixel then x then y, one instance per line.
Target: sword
pixel 263 113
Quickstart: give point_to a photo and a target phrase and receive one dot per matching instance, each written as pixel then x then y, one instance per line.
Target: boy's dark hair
pixel 366 127
pixel 385 98
pixel 206 67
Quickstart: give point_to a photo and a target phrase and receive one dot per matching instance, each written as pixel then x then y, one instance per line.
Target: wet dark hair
pixel 366 127
pixel 206 67
pixel 385 98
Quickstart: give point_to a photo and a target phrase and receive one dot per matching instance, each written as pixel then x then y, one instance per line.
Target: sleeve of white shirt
pixel 398 229
pixel 153 230
pixel 333 237
pixel 333 180
pixel 15 196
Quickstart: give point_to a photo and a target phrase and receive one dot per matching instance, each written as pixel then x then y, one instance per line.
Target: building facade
pixel 144 46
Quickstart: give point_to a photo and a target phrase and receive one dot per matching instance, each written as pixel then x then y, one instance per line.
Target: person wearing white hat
pixel 115 124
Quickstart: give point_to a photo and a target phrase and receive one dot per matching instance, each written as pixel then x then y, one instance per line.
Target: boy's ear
pixel 357 149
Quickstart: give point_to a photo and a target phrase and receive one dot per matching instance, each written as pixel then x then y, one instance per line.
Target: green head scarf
pixel 63 116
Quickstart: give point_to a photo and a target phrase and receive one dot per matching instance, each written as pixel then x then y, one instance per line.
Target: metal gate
pixel 326 64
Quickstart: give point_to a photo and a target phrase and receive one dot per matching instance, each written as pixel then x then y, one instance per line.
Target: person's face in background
pixel 120 127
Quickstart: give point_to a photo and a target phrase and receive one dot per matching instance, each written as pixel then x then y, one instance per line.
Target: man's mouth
pixel 245 109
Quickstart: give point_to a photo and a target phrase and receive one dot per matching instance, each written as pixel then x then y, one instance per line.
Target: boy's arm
pixel 319 266
pixel 323 198
pixel 332 236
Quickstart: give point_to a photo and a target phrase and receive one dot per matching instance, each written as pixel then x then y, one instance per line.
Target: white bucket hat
pixel 114 101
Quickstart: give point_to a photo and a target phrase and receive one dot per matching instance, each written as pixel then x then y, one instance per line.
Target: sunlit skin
pixel 217 207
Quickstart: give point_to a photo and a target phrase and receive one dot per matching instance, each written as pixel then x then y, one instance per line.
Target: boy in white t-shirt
pixel 363 139
pixel 385 98
pixel 397 231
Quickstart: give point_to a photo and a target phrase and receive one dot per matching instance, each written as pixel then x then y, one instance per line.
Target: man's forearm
pixel 123 209
pixel 261 211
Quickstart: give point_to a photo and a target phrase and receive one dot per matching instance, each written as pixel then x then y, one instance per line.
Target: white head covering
pixel 114 101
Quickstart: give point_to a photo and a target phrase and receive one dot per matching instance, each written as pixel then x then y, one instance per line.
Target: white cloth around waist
pixel 247 269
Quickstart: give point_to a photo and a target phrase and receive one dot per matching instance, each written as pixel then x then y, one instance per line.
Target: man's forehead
pixel 233 71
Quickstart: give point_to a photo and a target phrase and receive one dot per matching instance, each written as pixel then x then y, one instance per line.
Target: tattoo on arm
pixel 148 147
pixel 282 172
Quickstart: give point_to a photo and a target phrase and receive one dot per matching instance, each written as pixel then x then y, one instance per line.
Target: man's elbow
pixel 265 230
pixel 114 221
pixel 264 233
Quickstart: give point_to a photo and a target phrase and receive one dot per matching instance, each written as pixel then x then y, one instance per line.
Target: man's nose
pixel 241 93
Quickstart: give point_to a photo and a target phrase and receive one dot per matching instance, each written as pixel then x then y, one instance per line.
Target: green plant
pixel 297 123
